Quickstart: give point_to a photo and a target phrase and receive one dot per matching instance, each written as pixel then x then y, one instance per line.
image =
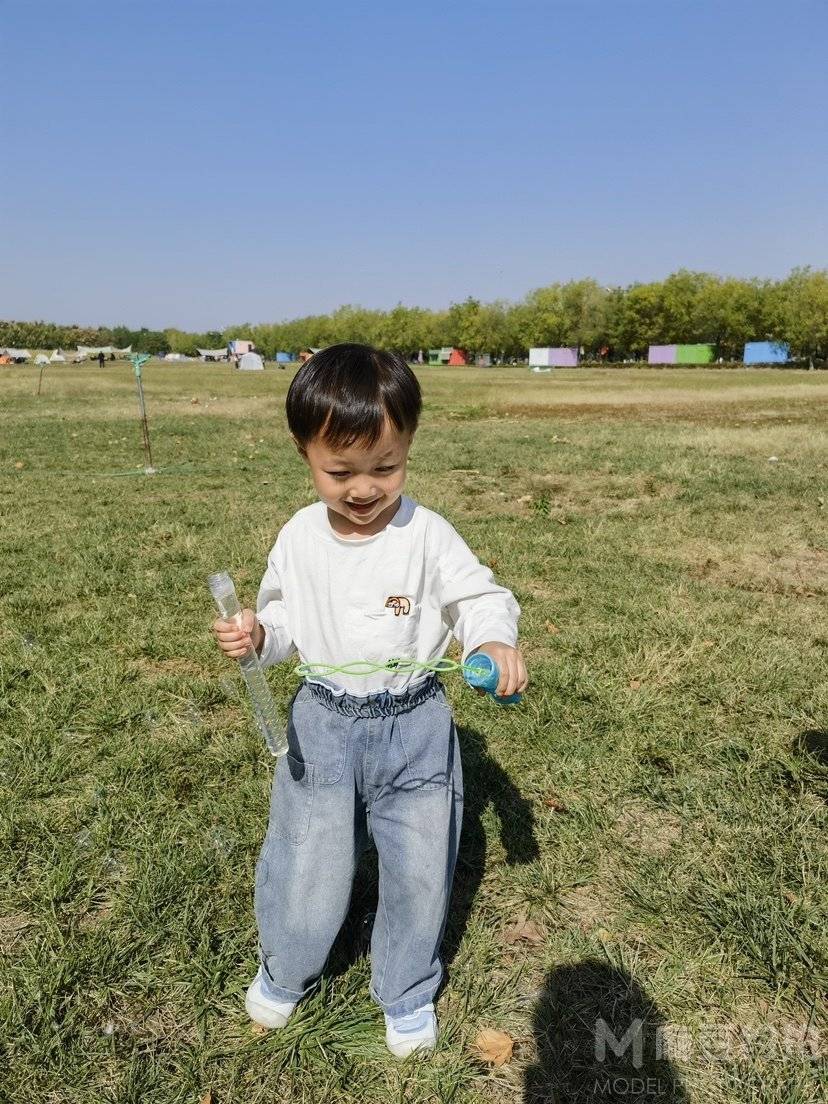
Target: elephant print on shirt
pixel 399 604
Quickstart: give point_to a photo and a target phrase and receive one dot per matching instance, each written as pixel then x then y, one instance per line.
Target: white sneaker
pixel 263 1009
pixel 416 1031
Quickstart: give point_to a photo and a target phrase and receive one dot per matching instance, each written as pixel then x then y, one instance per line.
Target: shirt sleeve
pixel 476 607
pixel 272 613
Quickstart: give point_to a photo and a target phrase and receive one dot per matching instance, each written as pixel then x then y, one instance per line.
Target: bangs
pixel 345 394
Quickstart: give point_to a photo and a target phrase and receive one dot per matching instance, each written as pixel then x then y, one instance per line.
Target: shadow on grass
pixel 484 782
pixel 597 1036
pixel 814 741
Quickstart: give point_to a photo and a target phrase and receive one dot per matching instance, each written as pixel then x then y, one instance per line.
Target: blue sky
pixel 200 164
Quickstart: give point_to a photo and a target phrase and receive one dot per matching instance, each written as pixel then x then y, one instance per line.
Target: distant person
pixel 365 574
pixel 101 359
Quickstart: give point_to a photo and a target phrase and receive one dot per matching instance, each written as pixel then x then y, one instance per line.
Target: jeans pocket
pixel 427 736
pixel 318 739
pixel 291 800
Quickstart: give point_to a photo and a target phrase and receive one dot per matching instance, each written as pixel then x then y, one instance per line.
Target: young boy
pixel 365 574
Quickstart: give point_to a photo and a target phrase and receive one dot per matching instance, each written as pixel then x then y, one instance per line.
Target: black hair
pixel 346 392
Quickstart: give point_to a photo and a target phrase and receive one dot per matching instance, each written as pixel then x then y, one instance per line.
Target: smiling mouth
pixel 362 505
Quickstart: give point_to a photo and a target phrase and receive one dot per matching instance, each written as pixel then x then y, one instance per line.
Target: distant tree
pixel 802 310
pixel 465 325
pixel 544 318
pixel 730 312
pixel 584 310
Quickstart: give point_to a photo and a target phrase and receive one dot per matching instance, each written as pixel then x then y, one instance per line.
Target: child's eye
pixel 388 468
pixel 337 475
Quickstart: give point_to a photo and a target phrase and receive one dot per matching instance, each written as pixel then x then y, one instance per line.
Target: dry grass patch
pixel 159 668
pixel 590 906
pixel 802 572
pixel 13 928
pixel 647 829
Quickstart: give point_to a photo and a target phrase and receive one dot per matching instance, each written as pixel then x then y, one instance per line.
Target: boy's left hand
pixel 513 676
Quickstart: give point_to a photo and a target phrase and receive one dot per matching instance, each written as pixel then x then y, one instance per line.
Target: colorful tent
pixel 457 357
pixel 767 352
pixel 680 354
pixel 238 347
pixel 662 354
pixel 560 357
pixel 694 354
pixel 284 358
pixel 439 356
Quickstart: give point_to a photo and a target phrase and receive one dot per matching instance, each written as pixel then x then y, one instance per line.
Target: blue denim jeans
pixel 385 767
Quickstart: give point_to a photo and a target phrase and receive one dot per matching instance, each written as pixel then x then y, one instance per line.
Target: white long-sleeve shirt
pixel 400 593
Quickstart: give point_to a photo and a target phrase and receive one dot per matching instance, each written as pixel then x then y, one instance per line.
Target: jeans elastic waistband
pixel 381 704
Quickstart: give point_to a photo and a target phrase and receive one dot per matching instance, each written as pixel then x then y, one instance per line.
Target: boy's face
pixel 360 486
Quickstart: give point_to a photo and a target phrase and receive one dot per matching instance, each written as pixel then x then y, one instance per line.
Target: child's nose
pixel 364 490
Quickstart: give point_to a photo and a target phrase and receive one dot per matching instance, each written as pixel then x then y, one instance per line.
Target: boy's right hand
pixel 237 641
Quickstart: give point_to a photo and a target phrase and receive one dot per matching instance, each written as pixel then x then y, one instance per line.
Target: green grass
pixel 657 805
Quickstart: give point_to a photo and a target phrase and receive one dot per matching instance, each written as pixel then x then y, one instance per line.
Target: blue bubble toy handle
pixel 482 673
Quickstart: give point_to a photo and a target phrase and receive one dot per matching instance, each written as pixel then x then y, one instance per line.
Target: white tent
pixel 16 354
pixel 212 354
pixel 251 362
pixel 41 358
pixel 57 358
pixel 89 350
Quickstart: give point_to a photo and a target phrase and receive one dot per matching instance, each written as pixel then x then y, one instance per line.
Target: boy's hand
pixel 236 642
pixel 513 676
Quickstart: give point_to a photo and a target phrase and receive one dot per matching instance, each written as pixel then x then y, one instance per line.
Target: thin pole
pixel 40 378
pixel 137 361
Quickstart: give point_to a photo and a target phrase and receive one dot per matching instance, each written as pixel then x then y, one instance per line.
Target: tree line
pixel 611 323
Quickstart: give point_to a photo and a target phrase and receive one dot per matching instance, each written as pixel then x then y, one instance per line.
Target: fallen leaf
pixel 207 1098
pixel 19 465
pixel 551 628
pixel 494 1047
pixel 524 931
pixel 635 684
pixel 552 801
pixel 603 934
pixel 257 1029
pixel 708 643
pixel 525 498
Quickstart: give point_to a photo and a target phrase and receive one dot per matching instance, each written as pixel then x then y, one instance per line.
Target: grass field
pixel 644 835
